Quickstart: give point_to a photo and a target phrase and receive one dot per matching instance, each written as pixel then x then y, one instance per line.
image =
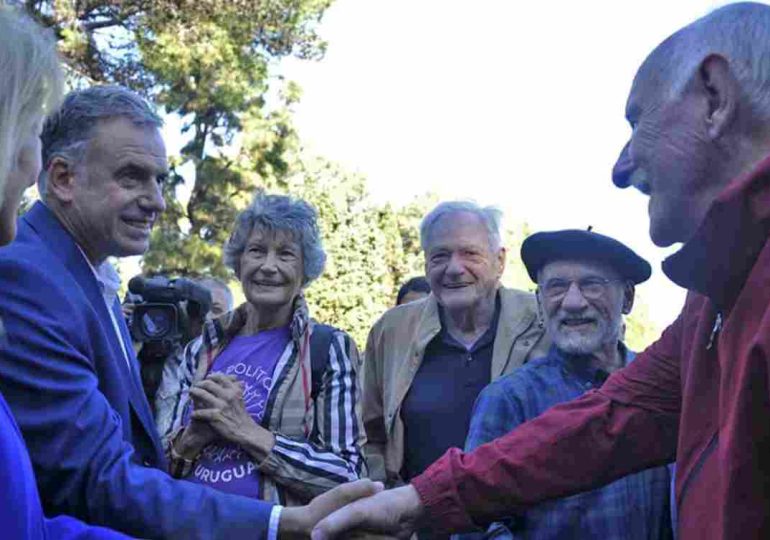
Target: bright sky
pixel 517 104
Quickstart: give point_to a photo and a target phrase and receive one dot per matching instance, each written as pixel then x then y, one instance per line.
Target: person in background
pixel 427 361
pixel 414 289
pixel 277 411
pixel 30 86
pixel 585 285
pixel 222 299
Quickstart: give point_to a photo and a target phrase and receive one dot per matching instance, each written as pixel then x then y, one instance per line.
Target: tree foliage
pixel 371 247
pixel 641 330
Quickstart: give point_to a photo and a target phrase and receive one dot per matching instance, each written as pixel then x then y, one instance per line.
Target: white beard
pixel 584 343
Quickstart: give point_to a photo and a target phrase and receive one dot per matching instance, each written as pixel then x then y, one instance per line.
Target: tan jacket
pixel 394 352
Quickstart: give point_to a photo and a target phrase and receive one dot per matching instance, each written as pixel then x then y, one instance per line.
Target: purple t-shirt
pixel 227 467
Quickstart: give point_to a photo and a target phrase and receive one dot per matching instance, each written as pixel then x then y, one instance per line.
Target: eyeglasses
pixel 592 288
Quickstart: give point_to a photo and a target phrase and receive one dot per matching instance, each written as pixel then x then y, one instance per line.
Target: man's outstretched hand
pixel 298 521
pixel 395 512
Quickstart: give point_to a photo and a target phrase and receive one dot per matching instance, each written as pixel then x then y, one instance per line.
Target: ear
pixel 501 256
pixel 237 267
pixel 540 309
pixel 717 81
pixel 61 180
pixel 629 292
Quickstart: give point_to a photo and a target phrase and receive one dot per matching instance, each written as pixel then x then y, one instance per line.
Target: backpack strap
pixel 320 342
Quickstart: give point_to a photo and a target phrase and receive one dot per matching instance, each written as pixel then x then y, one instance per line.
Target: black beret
pixel 544 247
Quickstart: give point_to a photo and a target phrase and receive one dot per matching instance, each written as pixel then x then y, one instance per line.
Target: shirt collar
pixel 106 275
pixel 580 365
pixel 220 331
pixel 486 338
pixel 716 261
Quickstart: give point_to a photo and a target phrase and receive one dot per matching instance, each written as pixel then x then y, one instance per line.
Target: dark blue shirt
pixel 632 508
pixel 437 409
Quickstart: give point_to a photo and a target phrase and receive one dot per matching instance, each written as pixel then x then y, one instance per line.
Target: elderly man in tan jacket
pixel 427 361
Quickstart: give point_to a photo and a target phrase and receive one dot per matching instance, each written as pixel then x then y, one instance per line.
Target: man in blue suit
pixel 68 370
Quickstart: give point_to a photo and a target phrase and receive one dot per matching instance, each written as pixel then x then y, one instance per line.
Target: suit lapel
pixel 428 326
pixel 62 245
pixel 514 320
pixel 131 368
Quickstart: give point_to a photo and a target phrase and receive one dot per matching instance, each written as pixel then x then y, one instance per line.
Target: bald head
pixel 699 109
pixel 740 33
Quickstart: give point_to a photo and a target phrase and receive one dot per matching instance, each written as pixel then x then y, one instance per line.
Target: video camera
pixel 163 310
pixel 167 306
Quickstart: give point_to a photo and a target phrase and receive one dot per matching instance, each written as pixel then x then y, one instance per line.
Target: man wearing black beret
pixel 585 285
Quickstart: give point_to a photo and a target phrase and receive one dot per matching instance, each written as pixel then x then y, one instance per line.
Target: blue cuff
pixel 275 521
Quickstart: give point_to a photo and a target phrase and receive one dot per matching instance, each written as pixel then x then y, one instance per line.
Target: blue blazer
pixel 81 409
pixel 21 515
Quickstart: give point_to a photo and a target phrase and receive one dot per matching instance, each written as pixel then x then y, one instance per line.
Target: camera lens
pixel 156 323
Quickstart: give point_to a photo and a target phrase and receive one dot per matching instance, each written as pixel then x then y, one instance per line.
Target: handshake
pixel 360 509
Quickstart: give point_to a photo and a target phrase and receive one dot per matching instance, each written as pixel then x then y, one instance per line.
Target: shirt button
pixel 526 343
pixel 146 463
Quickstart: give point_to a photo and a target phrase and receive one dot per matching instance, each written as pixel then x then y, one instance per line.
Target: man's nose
pixel 624 167
pixel 153 199
pixel 573 300
pixel 454 267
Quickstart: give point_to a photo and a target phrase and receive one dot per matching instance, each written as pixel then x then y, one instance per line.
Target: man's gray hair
pixel 213 283
pixel 67 132
pixel 739 32
pixel 489 216
pixel 279 213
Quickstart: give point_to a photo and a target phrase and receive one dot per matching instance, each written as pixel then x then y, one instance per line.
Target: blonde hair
pixel 30 82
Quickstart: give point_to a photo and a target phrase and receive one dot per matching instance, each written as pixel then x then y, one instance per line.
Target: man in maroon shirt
pixel 700 110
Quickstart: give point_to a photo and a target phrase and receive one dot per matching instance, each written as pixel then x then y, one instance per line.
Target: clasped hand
pixel 218 402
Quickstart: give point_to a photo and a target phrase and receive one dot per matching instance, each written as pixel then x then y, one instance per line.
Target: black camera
pixel 166 308
pixel 167 313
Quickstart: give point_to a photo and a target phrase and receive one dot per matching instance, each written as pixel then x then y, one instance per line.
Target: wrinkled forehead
pixel 262 233
pixel 576 269
pixel 458 229
pixel 120 141
pixel 646 89
pixel 657 75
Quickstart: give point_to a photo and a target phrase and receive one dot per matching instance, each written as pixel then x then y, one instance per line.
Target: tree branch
pixel 96 25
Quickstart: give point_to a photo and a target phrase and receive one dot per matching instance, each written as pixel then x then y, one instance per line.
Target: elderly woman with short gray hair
pixel 276 411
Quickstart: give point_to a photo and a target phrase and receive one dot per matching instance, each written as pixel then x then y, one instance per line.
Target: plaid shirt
pixel 635 507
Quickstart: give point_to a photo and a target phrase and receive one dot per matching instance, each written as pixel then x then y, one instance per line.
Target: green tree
pixel 641 331
pixel 515 275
